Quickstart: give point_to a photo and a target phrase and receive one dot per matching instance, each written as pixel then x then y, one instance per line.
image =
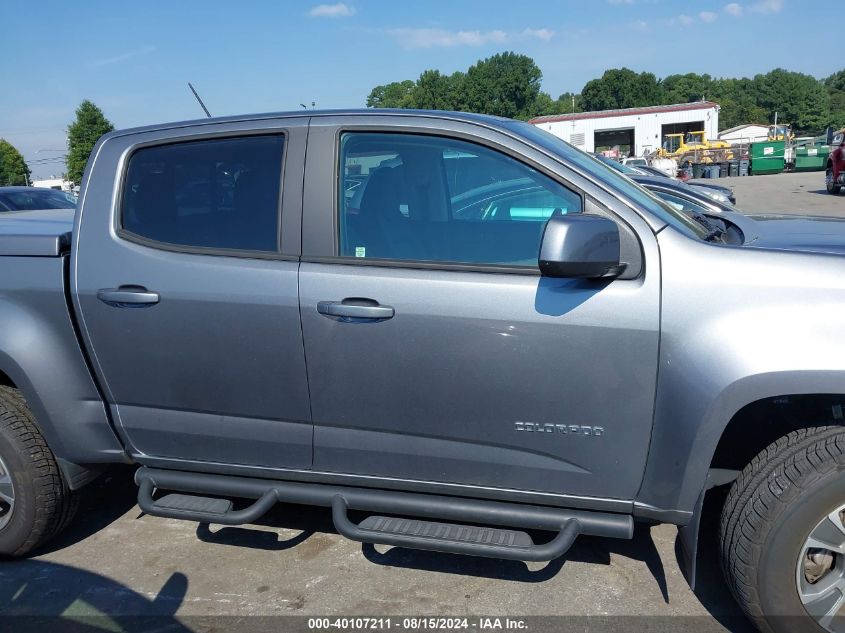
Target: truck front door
pixel 186 283
pixel 437 354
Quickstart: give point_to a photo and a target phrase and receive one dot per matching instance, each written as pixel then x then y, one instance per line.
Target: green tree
pixel 686 88
pixel 13 168
pixel 397 94
pixel 798 99
pixel 506 84
pixel 568 103
pixel 90 125
pixel 738 99
pixel 434 91
pixel 835 85
pixel 621 88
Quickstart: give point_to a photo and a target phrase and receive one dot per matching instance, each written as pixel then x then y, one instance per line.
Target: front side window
pixel 435 199
pixel 217 193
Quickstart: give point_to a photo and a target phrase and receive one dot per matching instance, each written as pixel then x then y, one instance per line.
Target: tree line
pixel 88 125
pixel 508 84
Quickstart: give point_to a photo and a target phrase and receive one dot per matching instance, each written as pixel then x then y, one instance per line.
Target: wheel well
pixel 760 423
pixel 5 381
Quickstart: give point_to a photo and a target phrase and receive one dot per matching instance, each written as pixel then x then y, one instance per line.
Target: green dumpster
pixel 767 157
pixel 811 157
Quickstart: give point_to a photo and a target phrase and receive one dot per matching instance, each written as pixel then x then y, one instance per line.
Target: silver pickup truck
pixel 457 325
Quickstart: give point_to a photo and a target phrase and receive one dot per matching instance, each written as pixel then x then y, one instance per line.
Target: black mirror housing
pixel 580 245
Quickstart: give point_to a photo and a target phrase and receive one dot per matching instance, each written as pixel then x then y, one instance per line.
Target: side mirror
pixel 580 245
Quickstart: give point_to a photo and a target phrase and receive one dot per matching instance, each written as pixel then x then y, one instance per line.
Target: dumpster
pixel 698 170
pixel 811 157
pixel 767 157
pixel 733 168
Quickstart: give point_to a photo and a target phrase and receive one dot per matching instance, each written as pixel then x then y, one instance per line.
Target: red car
pixel 835 175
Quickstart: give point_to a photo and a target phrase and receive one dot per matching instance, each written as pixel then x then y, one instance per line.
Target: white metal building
pixel 748 133
pixel 53 183
pixel 636 131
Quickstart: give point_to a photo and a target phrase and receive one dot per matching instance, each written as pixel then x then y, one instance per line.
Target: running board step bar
pixel 451 538
pixel 205 500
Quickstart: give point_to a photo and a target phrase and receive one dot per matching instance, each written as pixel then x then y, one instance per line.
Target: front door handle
pixel 355 308
pixel 128 297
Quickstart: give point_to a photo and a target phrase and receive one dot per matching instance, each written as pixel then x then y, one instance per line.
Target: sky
pixel 134 59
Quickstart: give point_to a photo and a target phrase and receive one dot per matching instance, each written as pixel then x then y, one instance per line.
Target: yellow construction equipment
pixel 693 147
pixel 780 133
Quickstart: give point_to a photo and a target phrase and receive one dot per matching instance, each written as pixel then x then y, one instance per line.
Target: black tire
pixel 829 184
pixel 769 513
pixel 43 504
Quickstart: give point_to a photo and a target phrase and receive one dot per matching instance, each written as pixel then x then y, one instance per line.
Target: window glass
pixel 219 193
pixel 682 204
pixel 606 174
pixel 427 198
pixel 33 198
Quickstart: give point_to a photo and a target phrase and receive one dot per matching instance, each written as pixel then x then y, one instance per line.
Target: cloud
pixel 539 34
pixel 708 16
pixel 117 59
pixel 441 38
pixel 683 20
pixel 766 6
pixel 733 9
pixel 621 1
pixel 339 10
pixel 639 25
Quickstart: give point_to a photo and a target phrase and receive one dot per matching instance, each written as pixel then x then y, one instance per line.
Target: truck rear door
pixel 184 275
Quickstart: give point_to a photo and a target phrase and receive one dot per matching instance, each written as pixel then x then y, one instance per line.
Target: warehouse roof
pixel 601 114
pixel 743 126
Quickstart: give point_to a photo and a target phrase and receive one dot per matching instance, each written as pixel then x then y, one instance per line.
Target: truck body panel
pixel 222 374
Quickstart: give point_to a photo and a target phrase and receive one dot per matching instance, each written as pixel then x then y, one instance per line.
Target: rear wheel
pixel 783 535
pixel 832 187
pixel 35 502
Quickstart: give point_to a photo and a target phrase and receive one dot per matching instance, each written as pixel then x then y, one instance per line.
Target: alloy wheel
pixel 7 495
pixel 820 574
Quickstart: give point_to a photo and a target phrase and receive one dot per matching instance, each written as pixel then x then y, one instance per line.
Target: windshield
pixel 34 198
pixel 612 177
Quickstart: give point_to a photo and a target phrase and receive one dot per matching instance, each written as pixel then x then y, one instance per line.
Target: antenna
pixel 202 105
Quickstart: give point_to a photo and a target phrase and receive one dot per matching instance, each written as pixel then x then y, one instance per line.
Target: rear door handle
pixel 355 308
pixel 128 297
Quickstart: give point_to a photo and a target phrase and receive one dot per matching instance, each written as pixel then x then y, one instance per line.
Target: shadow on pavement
pixel 711 587
pixel 101 503
pixel 113 495
pixel 39 596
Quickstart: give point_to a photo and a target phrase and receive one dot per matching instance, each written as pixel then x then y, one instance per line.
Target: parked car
pixel 31 198
pixel 768 230
pixel 835 169
pixel 717 192
pixel 500 335
pixel 635 162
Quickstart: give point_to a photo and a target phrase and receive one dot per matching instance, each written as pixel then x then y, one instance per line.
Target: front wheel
pixel 35 502
pixel 783 534
pixel 832 187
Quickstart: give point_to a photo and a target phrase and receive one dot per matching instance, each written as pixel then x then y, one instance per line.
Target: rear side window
pixel 218 193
